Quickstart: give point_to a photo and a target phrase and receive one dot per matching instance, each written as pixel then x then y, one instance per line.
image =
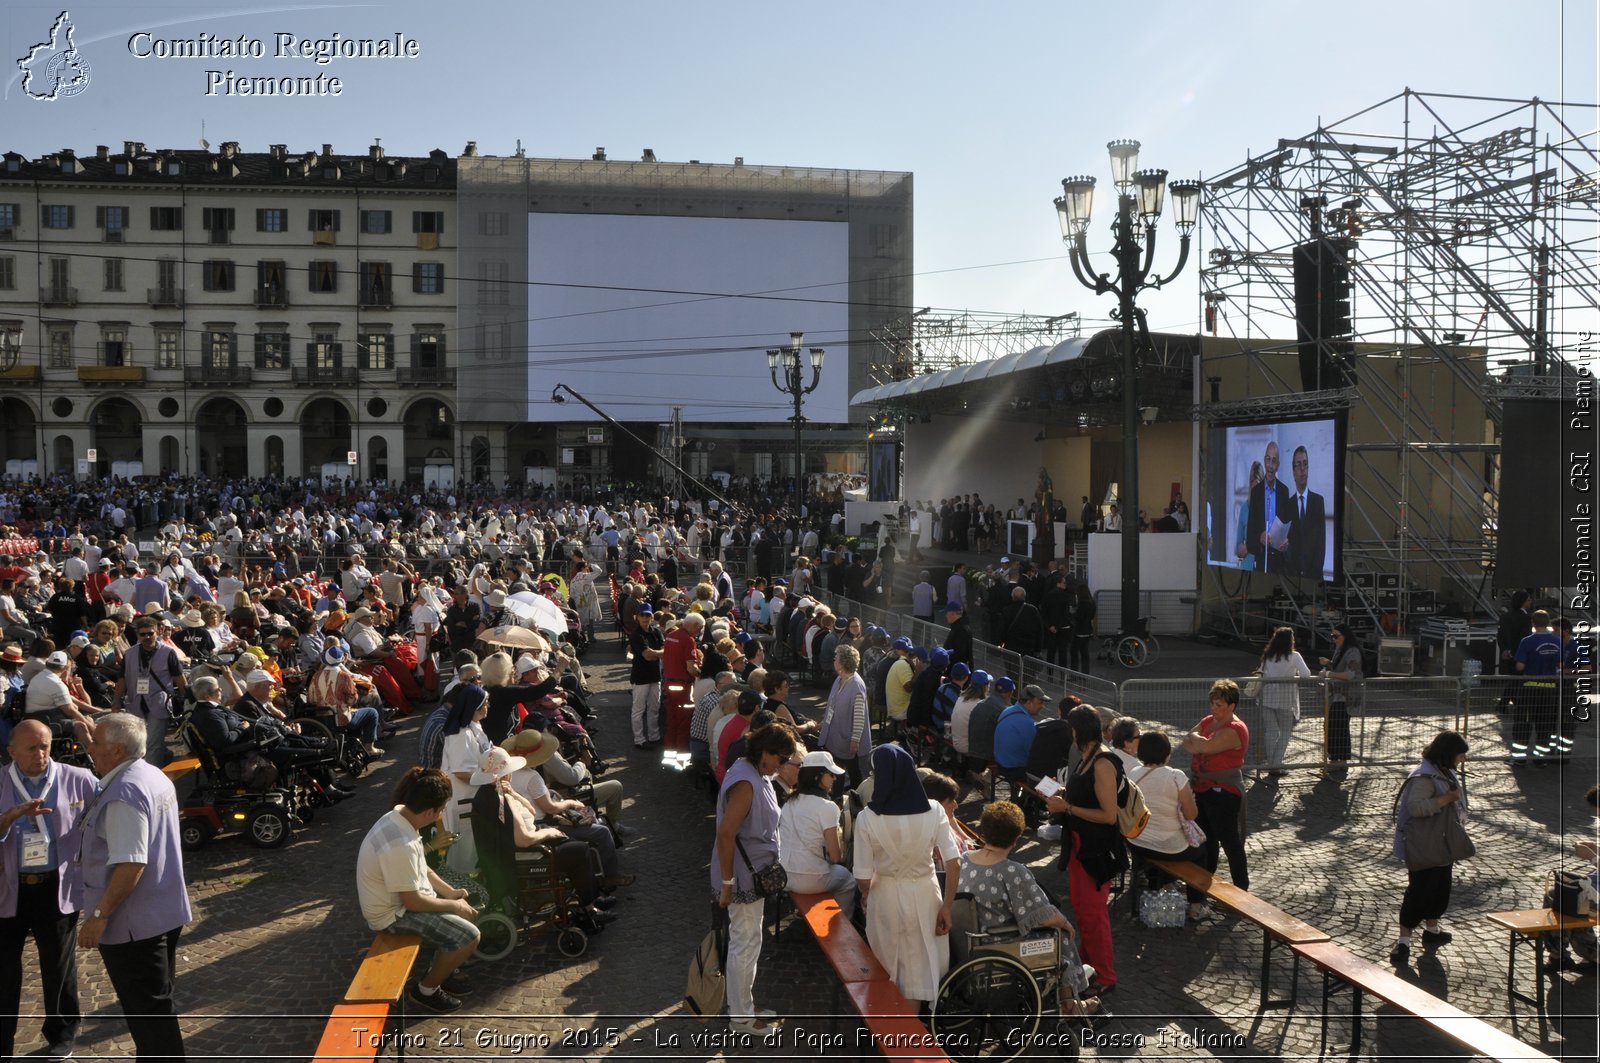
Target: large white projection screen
pixel 641 314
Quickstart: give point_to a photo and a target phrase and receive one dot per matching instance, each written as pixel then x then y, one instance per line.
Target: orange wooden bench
pixel 354 1033
pixel 1532 924
pixel 355 1030
pixel 1362 976
pixel 1277 926
pixel 179 767
pixel 891 1021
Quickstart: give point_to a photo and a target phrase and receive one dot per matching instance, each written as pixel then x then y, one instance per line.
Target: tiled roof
pixel 321 168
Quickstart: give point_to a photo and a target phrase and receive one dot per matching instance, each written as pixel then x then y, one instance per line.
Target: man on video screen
pixel 1308 534
pixel 1269 503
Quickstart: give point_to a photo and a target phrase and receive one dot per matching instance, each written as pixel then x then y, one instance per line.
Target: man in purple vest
pixel 40 882
pixel 151 673
pixel 133 886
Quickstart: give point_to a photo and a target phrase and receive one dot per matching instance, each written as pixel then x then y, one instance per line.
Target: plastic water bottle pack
pixel 1167 907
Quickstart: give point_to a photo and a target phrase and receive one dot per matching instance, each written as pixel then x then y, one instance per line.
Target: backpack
pixel 878 679
pixel 708 985
pixel 1133 815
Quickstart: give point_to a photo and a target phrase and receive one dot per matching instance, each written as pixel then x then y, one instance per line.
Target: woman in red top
pixel 1218 744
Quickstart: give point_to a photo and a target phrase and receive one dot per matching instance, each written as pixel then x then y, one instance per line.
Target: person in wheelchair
pixel 1008 897
pixel 506 832
pixel 573 819
pixel 233 732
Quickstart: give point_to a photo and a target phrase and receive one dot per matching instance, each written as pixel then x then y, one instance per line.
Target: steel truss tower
pixel 1469 226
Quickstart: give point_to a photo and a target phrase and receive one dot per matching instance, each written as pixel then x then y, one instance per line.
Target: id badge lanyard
pixel 35 842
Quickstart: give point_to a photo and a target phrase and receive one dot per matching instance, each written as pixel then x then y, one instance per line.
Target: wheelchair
pixel 1131 649
pixel 267 816
pixel 529 896
pixel 1001 989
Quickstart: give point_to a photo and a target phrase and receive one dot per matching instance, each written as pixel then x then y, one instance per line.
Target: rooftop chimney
pixel 102 152
pixel 327 151
pixel 278 151
pixel 230 148
pixel 470 151
pixel 649 155
pixel 599 155
pixel 375 152
pixel 132 148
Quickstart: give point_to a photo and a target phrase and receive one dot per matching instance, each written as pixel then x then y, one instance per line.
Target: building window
pixel 113 221
pixel 218 223
pixel 169 354
pixel 427 221
pixel 491 342
pixel 114 347
pixel 379 348
pixel 271 287
pixel 377 222
pixel 427 350
pixel 221 348
pixel 113 274
pixel 326 351
pixel 8 274
pixel 8 221
pixel 493 223
pixel 427 278
pixel 324 276
pixel 323 221
pixel 272 350
pixel 61 280
pixel 272 220
pixel 377 284
pixel 59 343
pixel 56 216
pixel 492 283
pixel 166 219
pixel 218 274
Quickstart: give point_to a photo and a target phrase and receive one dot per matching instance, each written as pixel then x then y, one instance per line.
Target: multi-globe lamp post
pixel 788 361
pixel 1140 195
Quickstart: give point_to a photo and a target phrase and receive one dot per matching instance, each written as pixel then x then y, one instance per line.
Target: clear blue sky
pixel 989 105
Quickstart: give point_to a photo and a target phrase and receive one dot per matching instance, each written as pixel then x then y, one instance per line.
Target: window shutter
pixel 99 217
pixel 155 217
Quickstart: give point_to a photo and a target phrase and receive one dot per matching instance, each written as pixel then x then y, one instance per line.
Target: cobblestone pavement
pixel 278 935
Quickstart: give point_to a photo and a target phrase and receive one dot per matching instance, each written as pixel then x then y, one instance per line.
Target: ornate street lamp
pixel 788 360
pixel 1139 204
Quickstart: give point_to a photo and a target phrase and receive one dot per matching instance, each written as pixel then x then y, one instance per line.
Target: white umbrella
pixel 517 637
pixel 526 605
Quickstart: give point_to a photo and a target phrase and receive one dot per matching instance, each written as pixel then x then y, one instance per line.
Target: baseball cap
pixel 644 609
pixel 743 637
pixel 332 655
pixel 919 653
pixel 105 562
pixel 57 660
pixel 939 656
pixel 1031 691
pixel 80 641
pixel 960 670
pixel 902 643
pixel 749 701
pixel 526 663
pixel 821 758
pixel 259 676
pixel 1005 684
pixel 954 607
pixel 1005 560
pixel 980 678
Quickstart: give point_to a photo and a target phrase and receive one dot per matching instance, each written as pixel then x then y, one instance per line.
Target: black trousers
pixel 55 934
pixel 142 973
pixel 1427 895
pixel 1339 744
pixel 1082 649
pixel 1220 819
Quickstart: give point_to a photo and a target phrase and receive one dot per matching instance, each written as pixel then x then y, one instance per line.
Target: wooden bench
pixel 1277 926
pixel 1363 976
pixel 1533 924
pixel 180 767
pixel 355 1030
pixel 891 1020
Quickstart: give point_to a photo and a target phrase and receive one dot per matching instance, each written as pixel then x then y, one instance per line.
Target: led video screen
pixel 640 314
pixel 1274 500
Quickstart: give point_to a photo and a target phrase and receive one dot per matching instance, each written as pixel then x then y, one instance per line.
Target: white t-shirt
pixel 391 862
pixel 530 784
pixel 801 825
pixel 1160 785
pixel 45 692
pixel 1284 696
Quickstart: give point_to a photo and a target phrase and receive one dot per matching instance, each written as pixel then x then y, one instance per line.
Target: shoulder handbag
pixel 1436 840
pixel 770 880
pixel 1566 894
pixel 708 985
pixel 1252 686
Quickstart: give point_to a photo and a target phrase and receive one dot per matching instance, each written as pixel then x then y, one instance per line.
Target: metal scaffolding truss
pixel 1472 228
pixel 925 342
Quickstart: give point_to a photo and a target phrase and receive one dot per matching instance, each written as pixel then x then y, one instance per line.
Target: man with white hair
pixel 40 883
pixel 133 885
